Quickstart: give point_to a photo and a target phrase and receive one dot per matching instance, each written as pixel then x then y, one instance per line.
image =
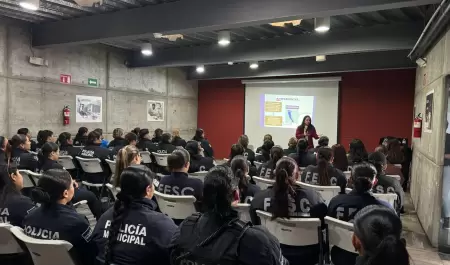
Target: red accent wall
pixel 372 104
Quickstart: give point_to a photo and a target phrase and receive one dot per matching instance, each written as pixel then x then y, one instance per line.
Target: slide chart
pixel 286 111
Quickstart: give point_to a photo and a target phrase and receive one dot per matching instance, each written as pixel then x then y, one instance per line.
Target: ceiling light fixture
pixel 230 63
pixel 283 23
pixel 200 69
pixel 321 58
pixel 254 65
pixel 30 4
pixel 224 38
pixel 146 49
pixel 322 24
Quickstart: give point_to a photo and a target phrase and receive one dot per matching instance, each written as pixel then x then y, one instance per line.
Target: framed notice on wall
pixel 155 110
pixel 428 119
pixel 89 109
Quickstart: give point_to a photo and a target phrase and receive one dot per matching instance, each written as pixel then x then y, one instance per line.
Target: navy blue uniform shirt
pixel 23 159
pixel 247 195
pixel 179 183
pixel 95 151
pixel 15 208
pixel 118 142
pixel 337 178
pixel 164 148
pixel 200 163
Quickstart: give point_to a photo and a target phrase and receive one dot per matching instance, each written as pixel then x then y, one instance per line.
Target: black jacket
pixel 50 164
pixel 200 163
pixel 386 184
pixel 69 150
pixel 164 148
pixel 23 159
pixel 156 139
pixel 147 145
pixel 80 141
pixel 304 160
pixel 247 195
pixel 15 208
pixel 207 148
pixel 311 176
pixel 62 222
pixel 267 170
pixel 33 146
pixel 3 158
pixel 117 142
pixel 179 183
pixel 251 156
pixel 144 237
pixel 178 141
pixel 290 151
pixel 95 151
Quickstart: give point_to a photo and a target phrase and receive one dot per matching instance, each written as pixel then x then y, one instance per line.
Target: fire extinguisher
pixel 66 115
pixel 417 126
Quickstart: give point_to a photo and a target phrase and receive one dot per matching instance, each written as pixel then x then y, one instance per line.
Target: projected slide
pixel 286 111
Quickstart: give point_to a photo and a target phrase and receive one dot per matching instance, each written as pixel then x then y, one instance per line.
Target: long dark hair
pixel 284 187
pixel 43 136
pixel 243 140
pixel 165 138
pixel 143 133
pixel 178 159
pixel 7 185
pixel 302 147
pixel 236 149
pixel 51 186
pixel 92 137
pixel 357 152
pixel 362 177
pixel 265 149
pixel 378 160
pixel 394 153
pixel 198 135
pixel 64 138
pixel 218 191
pixel 340 160
pixel 81 132
pixel 276 153
pixel 18 139
pixel 324 156
pixel 302 126
pixel 135 181
pixel 45 152
pixel 379 230
pixel 194 149
pixel 239 166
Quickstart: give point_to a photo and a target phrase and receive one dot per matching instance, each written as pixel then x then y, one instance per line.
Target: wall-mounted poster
pixel 89 109
pixel 155 110
pixel 428 119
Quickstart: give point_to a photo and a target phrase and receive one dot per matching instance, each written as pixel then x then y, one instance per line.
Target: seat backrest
pixel 263 183
pixel 243 210
pixel 66 162
pixel 300 170
pixel 112 165
pixel 257 164
pixel 397 177
pixel 199 175
pixel 8 243
pixel 161 159
pixel 347 174
pixel 387 197
pixel 327 192
pixel 45 252
pixel 90 165
pixel 176 207
pixel 30 178
pixel 340 233
pixel 292 231
pixel 112 189
pixel 146 158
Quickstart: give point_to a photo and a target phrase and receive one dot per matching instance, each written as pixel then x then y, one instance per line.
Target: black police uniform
pixel 386 184
pixel 250 155
pixel 95 151
pixel 200 163
pixel 263 156
pixel 266 170
pixel 165 148
pixel 246 196
pixel 157 139
pixel 179 183
pixel 305 160
pixel 3 158
pixel 118 142
pixel 344 207
pixel 23 159
pixel 290 151
pixel 143 238
pixel 337 178
pixel 80 141
pixel 207 148
pixel 147 145
pixel 238 243
pixel 62 222
pixel 33 146
pixel 15 208
pixel 178 141
pixel 307 203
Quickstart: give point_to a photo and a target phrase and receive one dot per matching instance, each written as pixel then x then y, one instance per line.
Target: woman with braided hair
pixel 131 232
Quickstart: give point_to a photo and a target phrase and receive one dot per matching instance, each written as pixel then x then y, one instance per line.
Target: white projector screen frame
pixel 325 110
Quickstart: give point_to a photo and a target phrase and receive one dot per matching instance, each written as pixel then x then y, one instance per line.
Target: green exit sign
pixel 92 82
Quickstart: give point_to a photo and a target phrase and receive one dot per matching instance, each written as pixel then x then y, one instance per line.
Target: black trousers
pixel 93 202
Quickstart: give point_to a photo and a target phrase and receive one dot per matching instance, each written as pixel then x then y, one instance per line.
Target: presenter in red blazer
pixel 307 130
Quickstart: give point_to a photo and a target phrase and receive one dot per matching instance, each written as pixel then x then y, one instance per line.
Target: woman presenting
pixel 307 130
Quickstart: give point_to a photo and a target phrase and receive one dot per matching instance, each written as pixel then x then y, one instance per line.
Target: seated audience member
pixel 255 245
pixel 81 137
pixel 236 150
pixel 48 157
pixel 240 169
pixel 307 131
pixel 27 133
pixel 93 150
pixel 390 168
pixel 130 139
pixel 157 136
pixel 292 147
pixel 134 216
pixel 386 184
pixel 20 153
pixel 165 146
pixel 14 206
pixel 345 206
pixel 264 155
pixel 267 137
pixel 4 152
pixel 118 141
pixel 394 153
pixel 302 157
pixel 65 145
pixel 136 130
pixel 179 182
pixel 145 143
pixel 340 160
pixel 285 199
pixel 104 143
pixel 200 137
pixel 377 237
pixel 357 152
pixel 55 220
pixel 267 169
pixel 127 156
pixel 324 174
pixel 323 142
pixel 43 137
pixel 243 140
pixel 198 162
pixel 177 140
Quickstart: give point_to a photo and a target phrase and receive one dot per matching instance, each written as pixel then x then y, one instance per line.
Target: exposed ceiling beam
pixel 376 38
pixel 189 16
pixel 307 66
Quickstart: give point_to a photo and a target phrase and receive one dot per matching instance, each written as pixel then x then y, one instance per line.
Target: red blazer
pixel 312 134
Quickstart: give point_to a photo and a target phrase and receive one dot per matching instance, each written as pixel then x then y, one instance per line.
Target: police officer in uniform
pixel 43 137
pixel 200 137
pixel 198 162
pixel 13 205
pixel 132 232
pixel 243 140
pixel 264 155
pixel 130 139
pixel 165 146
pixel 93 150
pixel 267 169
pixel 4 152
pixel 218 236
pixel 286 199
pixel 118 139
pixel 302 156
pixel 27 133
pixel 145 143
pixel 324 174
pixel 247 190
pixel 55 220
pixel 67 149
pixel 20 154
pixel 81 137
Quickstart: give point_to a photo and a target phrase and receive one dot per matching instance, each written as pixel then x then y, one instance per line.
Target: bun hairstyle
pixel 81 132
pixel 124 158
pixel 118 133
pixel 178 159
pixel 324 155
pixel 43 136
pixel 276 153
pixel 165 138
pixel 64 138
pixel 7 185
pixel 378 160
pixel 323 141
pixel 193 148
pixel 131 137
pixel 135 181
pixel 18 139
pixel 93 137
pixel 158 132
pixel 243 140
pixel 236 149
pixel 362 176
pixel 292 144
pixel 284 187
pixel 51 186
pixel 239 167
pixel 143 133
pixel 379 230
pixel 357 152
pixel 198 135
pixel 46 150
pixel 136 130
pixel 302 145
pixel 218 191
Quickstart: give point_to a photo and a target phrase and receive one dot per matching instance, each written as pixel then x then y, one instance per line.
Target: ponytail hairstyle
pixel 81 132
pixel 125 157
pixel 18 139
pixel 193 147
pixel 243 140
pixel 323 141
pixel 324 156
pixel 394 153
pixel 285 178
pixel 340 160
pixel 42 136
pixel 158 133
pixel 239 167
pixel 276 153
pixel 357 152
pixel 64 139
pixel 165 138
pixel 378 160
pixel 118 133
pixel 178 159
pixel 143 134
pixel 302 147
pixel 93 137
pixel 362 177
pixel 218 189
pixel 46 150
pixel 199 135
pixel 292 144
pixel 51 187
pixel 136 180
pixel 136 130
pixel 236 149
pixel 7 186
pixel 378 229
pixel 130 138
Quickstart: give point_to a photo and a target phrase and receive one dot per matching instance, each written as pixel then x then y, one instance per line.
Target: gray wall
pixel 33 97
pixel 427 165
